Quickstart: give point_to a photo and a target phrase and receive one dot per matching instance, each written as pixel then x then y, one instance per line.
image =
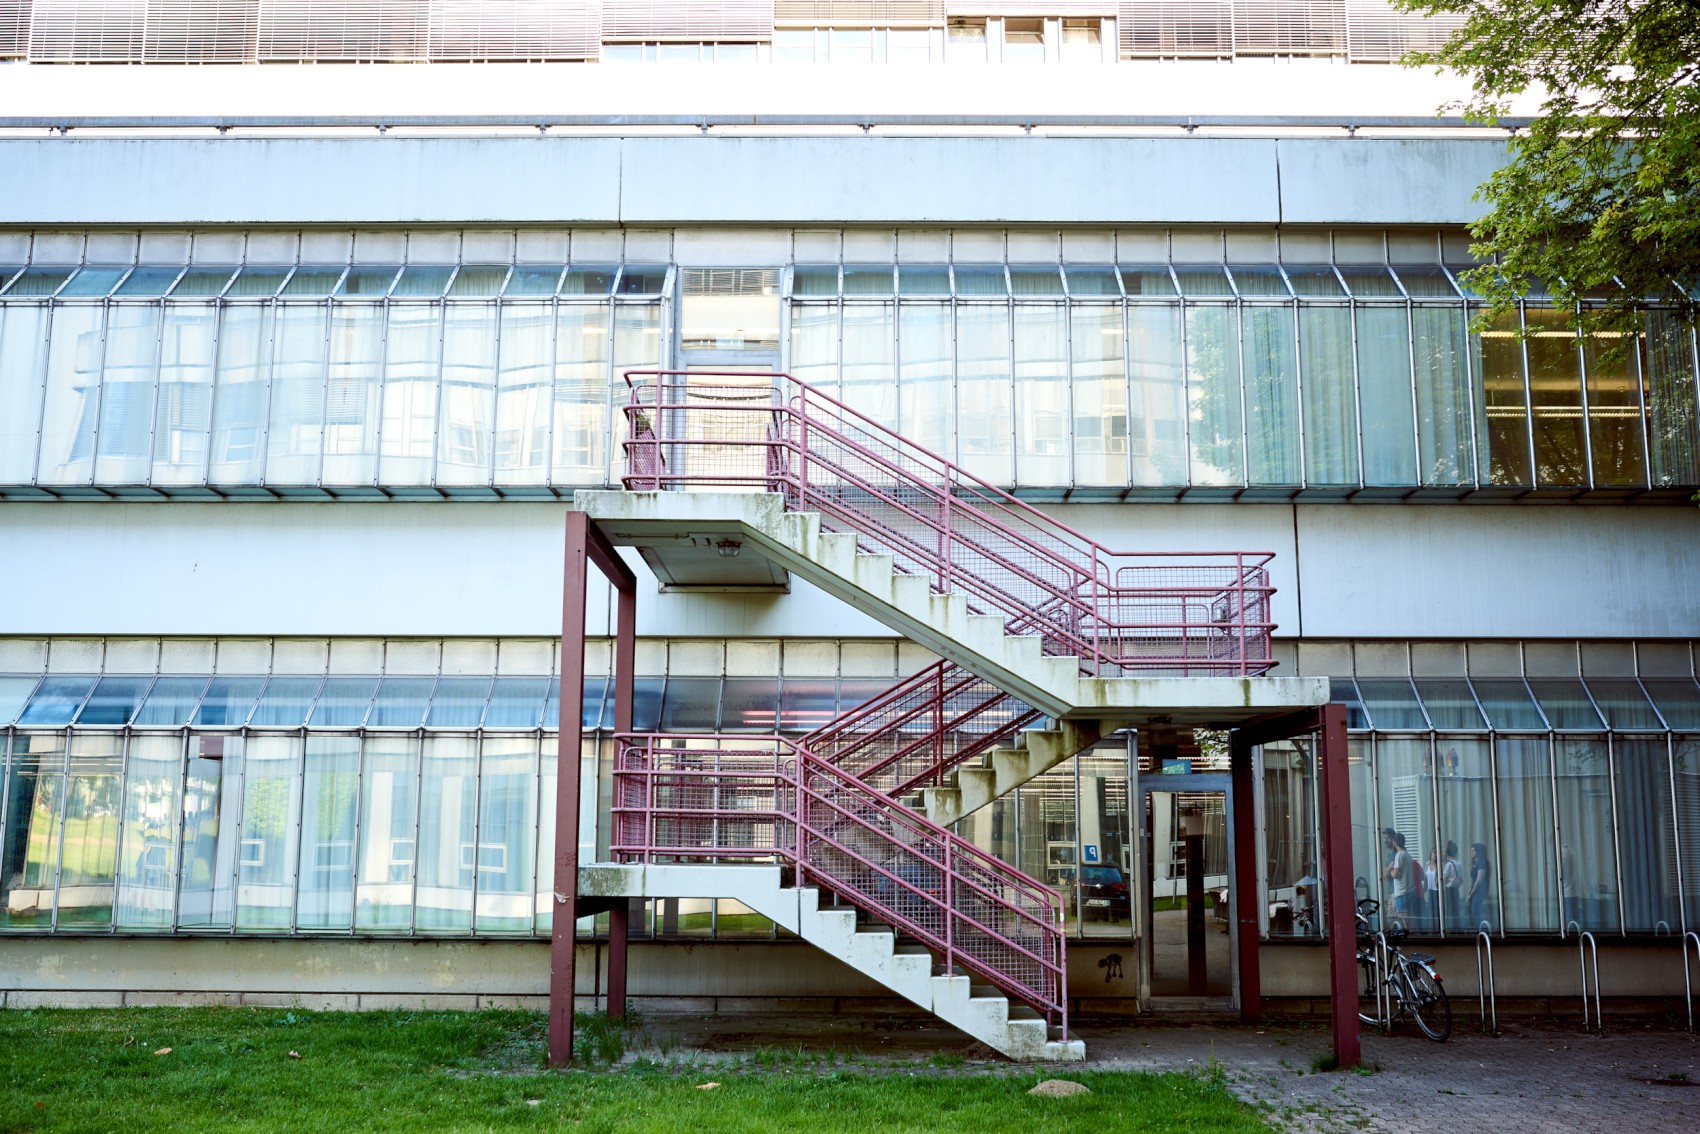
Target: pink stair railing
pixel 1120 613
pixel 695 799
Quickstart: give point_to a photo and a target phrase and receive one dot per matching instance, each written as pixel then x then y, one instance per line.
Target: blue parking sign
pixel 1088 852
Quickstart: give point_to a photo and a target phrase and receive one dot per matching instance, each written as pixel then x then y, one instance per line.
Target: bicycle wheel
pixel 1369 983
pixel 1428 1004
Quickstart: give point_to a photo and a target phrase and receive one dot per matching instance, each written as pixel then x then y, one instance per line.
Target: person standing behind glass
pixel 1477 897
pixel 1398 872
pixel 1451 881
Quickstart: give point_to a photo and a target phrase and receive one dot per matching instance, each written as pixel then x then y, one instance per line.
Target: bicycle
pixel 1396 983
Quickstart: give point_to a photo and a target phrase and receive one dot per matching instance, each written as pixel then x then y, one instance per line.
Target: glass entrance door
pixel 1189 944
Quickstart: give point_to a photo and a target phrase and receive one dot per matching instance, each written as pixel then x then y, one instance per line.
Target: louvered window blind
pixel 698 20
pixel 515 29
pixel 858 13
pixel 347 30
pixel 1176 27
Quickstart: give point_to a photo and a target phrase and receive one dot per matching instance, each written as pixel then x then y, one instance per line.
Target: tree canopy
pixel 1601 198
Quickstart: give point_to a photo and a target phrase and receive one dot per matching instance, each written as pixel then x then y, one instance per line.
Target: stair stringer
pixel 985 1014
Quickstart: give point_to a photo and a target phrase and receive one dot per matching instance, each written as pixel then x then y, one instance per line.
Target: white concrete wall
pixel 669 180
pixel 493 569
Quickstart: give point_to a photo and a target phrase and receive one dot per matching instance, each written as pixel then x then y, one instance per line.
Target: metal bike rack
pixel 1587 949
pixel 1688 981
pixel 1486 1002
pixel 1384 983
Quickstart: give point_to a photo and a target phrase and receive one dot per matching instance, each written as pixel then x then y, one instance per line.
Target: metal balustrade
pixel 770 799
pixel 1119 612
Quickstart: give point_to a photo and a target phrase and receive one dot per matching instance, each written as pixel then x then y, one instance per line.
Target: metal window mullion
pixel 1186 391
pixel 263 447
pixel 1498 832
pixel 99 403
pixel 418 811
pixel 64 815
pixel 537 852
pixel 1299 392
pixel 1557 831
pixel 378 409
pixel 1067 310
pixel 1616 831
pixel 441 406
pixel 611 374
pixel 1470 397
pixel 1351 310
pixel 118 841
pixel 300 811
pixel 46 346
pixel 182 820
pixel 477 740
pixel 354 842
pixel 1245 425
pixel 1434 828
pixel 495 308
pixel 1528 396
pixel 551 377
pixel 325 389
pixel 156 385
pixel 218 309
pixel 1411 372
pixel 1638 352
pixel 1587 430
pixel 1676 830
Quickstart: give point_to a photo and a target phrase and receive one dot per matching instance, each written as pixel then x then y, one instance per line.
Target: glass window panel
pixel 351 394
pixel 38 282
pixel 1028 280
pixel 91 283
pixel 516 702
pixel 1330 406
pixel 806 703
pixel 1366 830
pixel 183 403
pixel 1422 280
pixel 228 701
pixel 643 279
pixel 285 702
pixel 868 280
pixel 8 273
pixel 202 283
pixel 343 702
pixel 750 704
pixel 818 281
pixel 312 283
pixel 1647 834
pixel 147 868
pixel 389 826
pixel 88 867
pixel 23 364
pixel 1106 827
pixel 1345 691
pixel 147 283
pixel 1616 426
pixel 14 693
pixel 1624 704
pixel 170 702
pixel 1100 394
pixel 448 810
pixel 729 309
pixel 870 360
pixel 1392 703
pixel 507 829
pixel 925 393
pixel 1405 779
pixel 1678 702
pixel 1368 282
pixel 646 706
pixel 1213 377
pixel 72 395
pixel 588 281
pixel 126 394
pixel 1290 824
pixel 409 432
pixel 330 785
pixel 692 704
pixel 1048 840
pixel 1041 395
pixel 1158 409
pixel 533 281
pixel 35 814
pixel 56 701
pixel 1587 854
pixel 852 45
pixel 1685 774
pixel 212 843
pixel 468 394
pixel 1463 873
pixel 524 393
pixel 1313 280
pixel 637 346
pixel 547 784
pixel 984 415
pixel 1258 282
pixel 255 282
pixel 1667 361
pixel 401 702
pixel 1507 703
pixel 1443 395
pixel 1199 280
pixel 596 710
pixel 814 344
pixel 581 394
pixel 265 858
pixel 1384 395
pixel 1271 395
pixel 1148 281
pixel 967 40
pixel 908 45
pixel 1450 703
pixel 1565 703
pixel 458 702
pixel 480 282
pixel 923 279
pixel 1091 281
pixel 239 395
pixel 425 281
pixel 981 280
pixel 854 692
pixel 1502 406
pixel 114 700
pixel 1555 386
pixel 297 395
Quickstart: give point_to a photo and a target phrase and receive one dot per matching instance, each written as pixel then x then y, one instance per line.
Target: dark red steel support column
pixel 617 960
pixel 1246 918
pixel 563 938
pixel 625 662
pixel 1337 888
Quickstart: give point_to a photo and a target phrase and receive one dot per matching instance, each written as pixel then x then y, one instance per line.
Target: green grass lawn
pixel 232 1070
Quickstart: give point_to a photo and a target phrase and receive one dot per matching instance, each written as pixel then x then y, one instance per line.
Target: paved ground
pixel 1533 1078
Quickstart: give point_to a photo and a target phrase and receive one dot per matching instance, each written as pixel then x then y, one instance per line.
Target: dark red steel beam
pixel 1337 889
pixel 1245 881
pixel 563 937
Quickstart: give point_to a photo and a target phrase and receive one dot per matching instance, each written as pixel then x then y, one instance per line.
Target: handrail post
pixel 949 909
pixel 1487 1003
pixel 1687 980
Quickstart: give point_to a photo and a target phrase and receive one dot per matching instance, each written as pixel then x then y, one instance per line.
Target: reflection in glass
pixel 581 393
pixel 547 785
pixel 458 702
pixel 183 406
pixel 1100 395
pixel 239 394
pixel 1587 856
pixel 507 811
pixel 389 800
pixel 1616 425
pixel 1330 404
pixel 1502 405
pixel 1449 703
pixel 1444 439
pixel 1678 700
pixel 1392 703
pixel 1685 777
pixel 114 700
pixel 870 364
pixel 126 394
pixel 1213 378
pixel 1647 828
pixel 56 701
pixel 448 809
pixel 401 702
pixel 330 787
pixel 1041 393
pixel 1384 395
pixel 924 375
pixel 29 848
pixel 467 405
pixel 147 869
pixel 1290 838
pixel 1157 425
pixel 1507 703
pixel 1271 395
pixel 170 701
pixel 351 393
pixel 1667 360
pixel 212 803
pixel 23 358
pixel 1468 844
pixel 1555 391
pixel 1405 779
pixel 1106 850
pixel 413 343
pixel 343 702
pixel 1528 867
pixel 285 702
pixel 984 418
pixel 1624 704
pixel 297 396
pixel 1565 703
pixel 72 395
pixel 228 701
pixel 88 864
pixel 516 702
pixel 265 860
pixel 814 342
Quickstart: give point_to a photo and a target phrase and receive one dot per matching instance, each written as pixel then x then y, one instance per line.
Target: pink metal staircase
pixel 829 805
